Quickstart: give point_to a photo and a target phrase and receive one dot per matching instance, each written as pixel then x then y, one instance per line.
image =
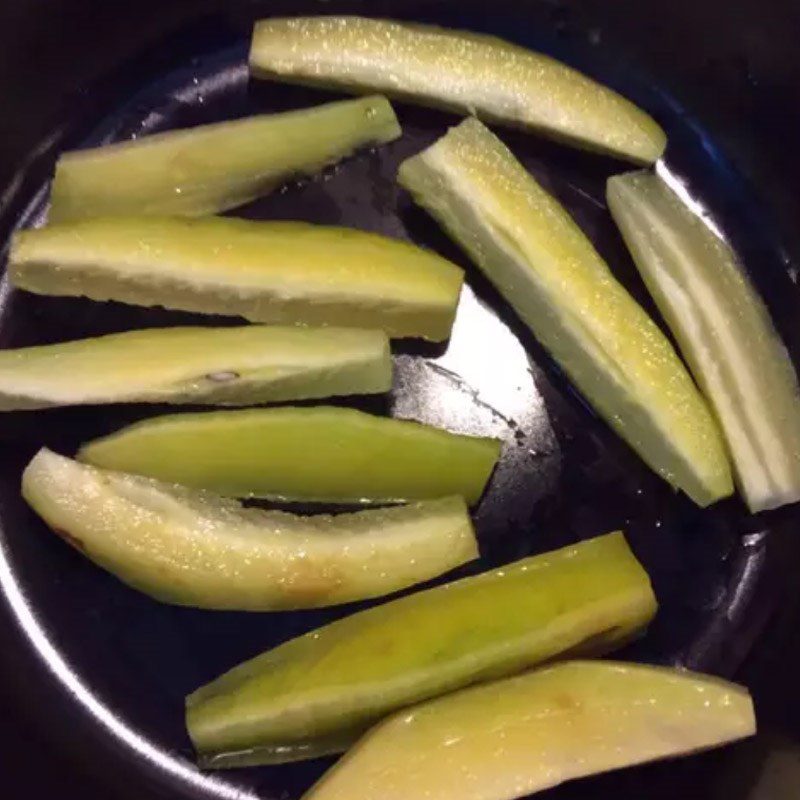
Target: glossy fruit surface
pixel 199 549
pixel 525 734
pixel 211 168
pixel 315 694
pixel 325 454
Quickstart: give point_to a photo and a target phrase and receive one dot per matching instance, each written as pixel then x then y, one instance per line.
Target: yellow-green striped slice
pixel 542 263
pixel 315 454
pixel 214 366
pixel 278 272
pixel 724 332
pixel 519 736
pixel 211 168
pixel 466 72
pixel 317 693
pixel 198 549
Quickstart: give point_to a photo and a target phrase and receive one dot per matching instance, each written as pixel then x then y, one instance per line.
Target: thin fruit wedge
pixel 316 454
pixel 317 693
pixel 724 332
pixel 459 70
pixel 211 168
pixel 542 263
pixel 519 736
pixel 219 366
pixel 281 272
pixel 198 549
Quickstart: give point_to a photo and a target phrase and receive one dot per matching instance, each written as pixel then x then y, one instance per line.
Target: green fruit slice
pixel 542 263
pixel 281 272
pixel 198 549
pixel 211 168
pixel 466 72
pixel 724 332
pixel 317 693
pixel 220 366
pixel 525 734
pixel 316 454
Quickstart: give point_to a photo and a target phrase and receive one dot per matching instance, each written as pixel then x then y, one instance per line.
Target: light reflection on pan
pixel 101 713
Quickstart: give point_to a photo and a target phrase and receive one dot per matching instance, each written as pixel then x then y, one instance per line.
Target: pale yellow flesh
pixel 220 366
pixel 519 736
pixel 199 549
pixel 315 694
pixel 275 272
pixel 550 273
pixel 724 331
pixel 467 72
pixel 211 168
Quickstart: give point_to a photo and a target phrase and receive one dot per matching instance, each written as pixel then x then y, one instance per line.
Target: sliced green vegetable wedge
pixel 546 268
pixel 525 734
pixel 220 366
pixel 459 70
pixel 724 331
pixel 215 167
pixel 198 549
pixel 318 454
pixel 317 693
pixel 282 272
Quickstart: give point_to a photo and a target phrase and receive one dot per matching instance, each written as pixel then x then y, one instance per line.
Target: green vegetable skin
pixel 317 693
pixel 525 734
pixel 221 366
pixel 466 72
pixel 280 272
pixel 198 549
pixel 724 332
pixel 320 454
pixel 211 168
pixel 546 268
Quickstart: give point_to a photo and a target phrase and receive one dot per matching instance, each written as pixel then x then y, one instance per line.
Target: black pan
pixel 93 673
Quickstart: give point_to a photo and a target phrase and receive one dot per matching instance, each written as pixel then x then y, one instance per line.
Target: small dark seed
pixel 222 377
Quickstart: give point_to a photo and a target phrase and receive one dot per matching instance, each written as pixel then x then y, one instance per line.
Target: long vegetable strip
pixel 724 331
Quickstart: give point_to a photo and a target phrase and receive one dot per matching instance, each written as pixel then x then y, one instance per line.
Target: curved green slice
pixel 279 272
pixel 466 72
pixel 543 264
pixel 219 366
pixel 215 167
pixel 198 549
pixel 522 735
pixel 317 693
pixel 316 454
pixel 724 332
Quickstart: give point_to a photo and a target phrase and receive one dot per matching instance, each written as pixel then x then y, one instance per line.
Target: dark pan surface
pixel 119 664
